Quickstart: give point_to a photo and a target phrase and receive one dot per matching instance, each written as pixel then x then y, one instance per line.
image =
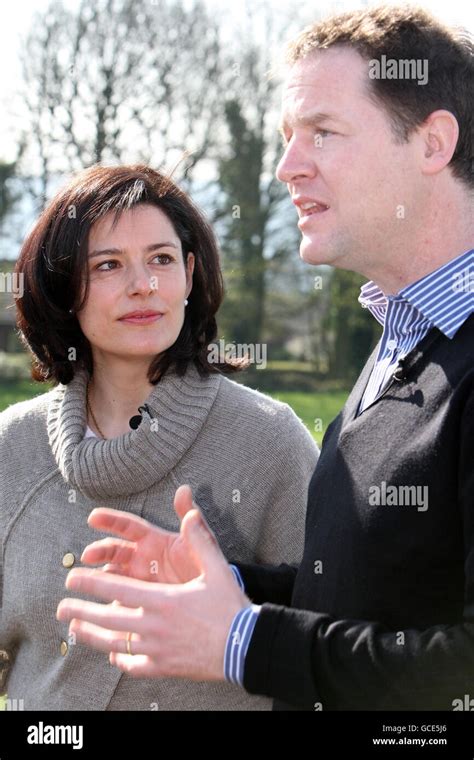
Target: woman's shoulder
pixel 24 415
pixel 252 400
pixel 272 417
pixel 25 455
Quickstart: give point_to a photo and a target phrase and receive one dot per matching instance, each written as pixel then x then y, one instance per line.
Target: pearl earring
pixel 186 301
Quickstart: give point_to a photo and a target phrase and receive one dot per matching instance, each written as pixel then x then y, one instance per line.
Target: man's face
pixel 341 154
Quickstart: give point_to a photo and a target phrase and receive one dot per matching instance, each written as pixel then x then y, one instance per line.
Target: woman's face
pixel 136 267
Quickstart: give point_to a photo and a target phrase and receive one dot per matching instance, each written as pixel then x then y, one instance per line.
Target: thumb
pixel 202 543
pixel 183 501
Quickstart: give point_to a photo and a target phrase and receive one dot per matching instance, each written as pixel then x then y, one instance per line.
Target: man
pixel 380 613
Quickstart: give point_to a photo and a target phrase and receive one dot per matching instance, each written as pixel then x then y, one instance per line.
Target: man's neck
pixel 441 235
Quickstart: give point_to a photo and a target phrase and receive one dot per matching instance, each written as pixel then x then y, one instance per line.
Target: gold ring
pixel 129 638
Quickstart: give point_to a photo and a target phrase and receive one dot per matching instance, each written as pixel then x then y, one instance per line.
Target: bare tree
pixel 119 81
pixel 253 210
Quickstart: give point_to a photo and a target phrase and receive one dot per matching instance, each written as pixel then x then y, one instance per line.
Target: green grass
pixel 2 701
pixel 12 391
pixel 316 410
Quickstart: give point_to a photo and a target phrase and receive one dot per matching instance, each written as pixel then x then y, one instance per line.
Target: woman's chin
pixel 137 353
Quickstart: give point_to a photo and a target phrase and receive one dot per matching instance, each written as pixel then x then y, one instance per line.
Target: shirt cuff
pixel 237 644
pixel 238 576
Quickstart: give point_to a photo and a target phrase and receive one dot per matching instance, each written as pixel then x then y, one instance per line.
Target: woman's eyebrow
pixel 119 251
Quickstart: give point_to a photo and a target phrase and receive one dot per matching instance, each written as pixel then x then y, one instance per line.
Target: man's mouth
pixel 310 208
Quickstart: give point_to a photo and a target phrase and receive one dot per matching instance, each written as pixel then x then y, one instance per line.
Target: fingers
pixel 113 550
pixel 97 637
pixel 105 640
pixel 111 616
pixel 115 569
pixel 128 526
pixel 139 666
pixel 183 501
pixel 128 591
pixel 203 543
pixel 133 528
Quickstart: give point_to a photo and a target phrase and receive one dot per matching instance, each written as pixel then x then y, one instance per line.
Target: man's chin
pixel 314 253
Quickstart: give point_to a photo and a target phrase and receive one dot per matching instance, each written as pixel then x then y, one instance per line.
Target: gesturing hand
pixel 142 550
pixel 158 628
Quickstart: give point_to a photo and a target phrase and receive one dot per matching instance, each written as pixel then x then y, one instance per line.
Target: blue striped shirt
pixel 443 299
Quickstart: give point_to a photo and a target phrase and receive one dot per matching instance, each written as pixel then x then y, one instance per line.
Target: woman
pixel 121 287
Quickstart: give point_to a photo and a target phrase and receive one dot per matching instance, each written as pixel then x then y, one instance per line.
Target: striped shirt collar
pixel 445 297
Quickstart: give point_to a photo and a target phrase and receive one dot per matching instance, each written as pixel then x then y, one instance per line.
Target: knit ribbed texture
pixel 248 460
pixel 101 468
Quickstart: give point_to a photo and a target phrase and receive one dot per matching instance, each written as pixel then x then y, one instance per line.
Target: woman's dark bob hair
pixel 54 265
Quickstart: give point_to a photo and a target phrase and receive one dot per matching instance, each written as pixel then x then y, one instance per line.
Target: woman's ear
pixel 190 261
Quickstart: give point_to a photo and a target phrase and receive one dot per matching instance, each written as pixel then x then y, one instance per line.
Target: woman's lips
pixel 141 320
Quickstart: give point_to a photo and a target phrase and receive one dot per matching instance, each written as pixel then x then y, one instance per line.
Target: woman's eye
pixel 100 267
pixel 165 258
pixel 109 266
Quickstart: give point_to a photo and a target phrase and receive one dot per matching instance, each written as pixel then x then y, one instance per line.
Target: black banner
pixel 85 734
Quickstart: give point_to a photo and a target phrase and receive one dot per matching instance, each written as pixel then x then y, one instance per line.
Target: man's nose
pixel 296 162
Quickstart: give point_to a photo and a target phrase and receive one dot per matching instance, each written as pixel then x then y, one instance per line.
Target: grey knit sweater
pixel 248 460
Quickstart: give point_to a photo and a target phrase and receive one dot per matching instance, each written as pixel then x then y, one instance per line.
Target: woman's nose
pixel 141 281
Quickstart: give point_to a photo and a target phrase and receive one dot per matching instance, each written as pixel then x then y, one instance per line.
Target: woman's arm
pixel 289 465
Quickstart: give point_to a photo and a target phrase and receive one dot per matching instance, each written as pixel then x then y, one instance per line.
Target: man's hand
pixel 175 630
pixel 143 551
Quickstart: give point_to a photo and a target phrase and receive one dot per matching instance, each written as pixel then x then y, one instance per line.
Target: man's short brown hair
pixel 405 33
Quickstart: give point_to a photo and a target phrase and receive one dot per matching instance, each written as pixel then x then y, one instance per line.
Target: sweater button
pixel 68 559
pixel 64 648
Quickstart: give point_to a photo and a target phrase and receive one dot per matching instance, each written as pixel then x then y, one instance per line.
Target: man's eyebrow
pixel 119 251
pixel 307 120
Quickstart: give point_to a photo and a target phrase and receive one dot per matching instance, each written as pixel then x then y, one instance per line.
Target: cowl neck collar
pixel 134 461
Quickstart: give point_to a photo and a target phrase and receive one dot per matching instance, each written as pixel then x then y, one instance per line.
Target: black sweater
pixel 380 613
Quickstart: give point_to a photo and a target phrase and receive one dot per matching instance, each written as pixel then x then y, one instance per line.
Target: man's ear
pixel 439 136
